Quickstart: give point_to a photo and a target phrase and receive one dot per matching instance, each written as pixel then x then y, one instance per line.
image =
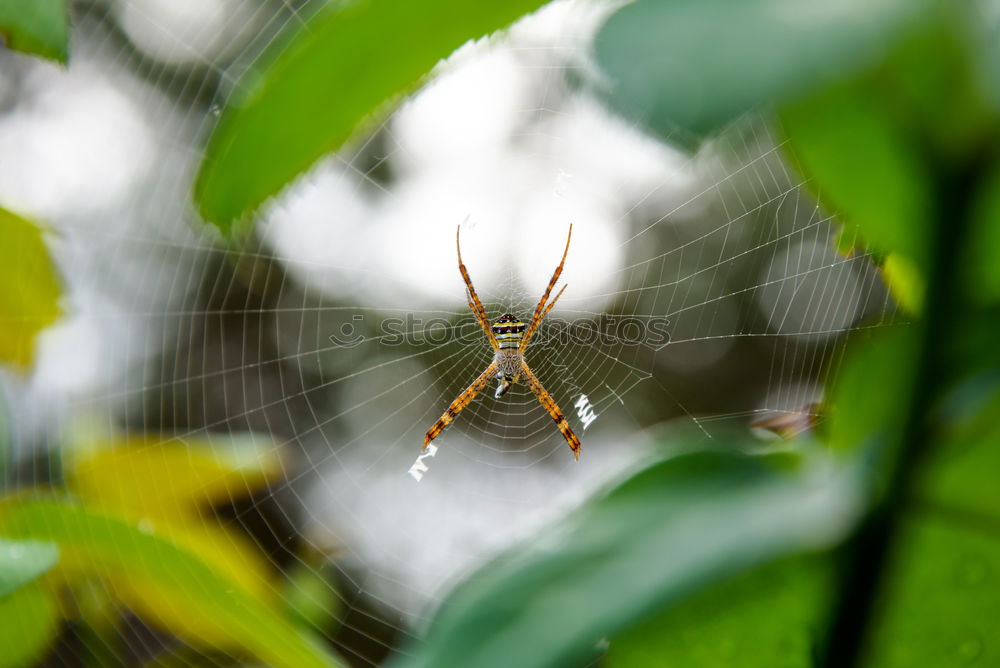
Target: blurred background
pixel 297 369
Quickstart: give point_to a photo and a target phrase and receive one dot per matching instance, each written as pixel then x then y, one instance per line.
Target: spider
pixel 509 338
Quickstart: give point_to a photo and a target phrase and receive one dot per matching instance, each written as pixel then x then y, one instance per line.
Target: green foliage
pixel 905 281
pixel 691 66
pixel 860 417
pixel 863 165
pixel 310 597
pixel 962 472
pixel 340 68
pixel 40 27
pixel 29 620
pixel 670 529
pixel 768 617
pixel 133 556
pixel 28 613
pixel 942 607
pixel 23 561
pixel 982 263
pixel 29 295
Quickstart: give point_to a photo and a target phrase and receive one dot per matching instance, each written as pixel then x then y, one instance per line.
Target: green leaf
pixel 660 536
pixel 768 617
pixel 859 416
pixel 935 76
pixel 962 477
pixel 23 561
pixel 29 621
pixel 29 292
pixel 981 271
pixel 116 549
pixel 941 605
pixel 341 67
pixel 873 146
pixel 863 164
pixel 311 598
pixel 40 27
pixel 961 473
pixel 694 65
pixel 904 281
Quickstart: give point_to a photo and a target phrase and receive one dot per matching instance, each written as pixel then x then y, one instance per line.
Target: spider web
pixel 702 290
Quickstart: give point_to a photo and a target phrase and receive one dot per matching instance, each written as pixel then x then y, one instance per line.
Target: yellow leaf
pixel 228 553
pixel 142 561
pixel 904 281
pixel 157 478
pixel 29 290
pixel 231 556
pixel 162 485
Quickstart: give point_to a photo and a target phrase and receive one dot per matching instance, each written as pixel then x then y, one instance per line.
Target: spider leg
pixel 537 316
pixel 463 400
pixel 484 325
pixel 549 404
pixel 474 303
pixel 531 331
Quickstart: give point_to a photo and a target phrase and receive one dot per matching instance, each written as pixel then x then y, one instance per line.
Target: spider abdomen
pixel 508 331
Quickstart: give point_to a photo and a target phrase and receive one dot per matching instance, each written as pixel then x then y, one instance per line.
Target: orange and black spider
pixel 509 337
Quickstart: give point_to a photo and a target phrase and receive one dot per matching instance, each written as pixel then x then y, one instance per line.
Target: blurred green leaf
pixel 29 292
pixel 694 65
pixel 981 269
pixel 40 27
pixel 905 282
pixel 169 484
pixel 21 561
pixel 340 68
pixel 663 534
pixel 941 606
pixel 934 81
pixel 858 415
pixel 973 353
pixel 870 145
pixel 768 617
pixel 863 164
pixel 986 46
pixel 29 621
pixel 127 553
pixel 311 598
pixel 961 472
pixel 963 477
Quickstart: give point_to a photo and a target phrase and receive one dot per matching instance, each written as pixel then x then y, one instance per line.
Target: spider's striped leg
pixel 550 405
pixel 536 317
pixel 485 325
pixel 463 400
pixel 474 303
pixel 538 323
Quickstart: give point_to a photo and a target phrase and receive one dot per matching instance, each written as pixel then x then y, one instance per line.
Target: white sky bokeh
pixel 179 32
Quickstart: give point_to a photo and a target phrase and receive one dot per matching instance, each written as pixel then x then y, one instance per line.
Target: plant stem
pixel 865 557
